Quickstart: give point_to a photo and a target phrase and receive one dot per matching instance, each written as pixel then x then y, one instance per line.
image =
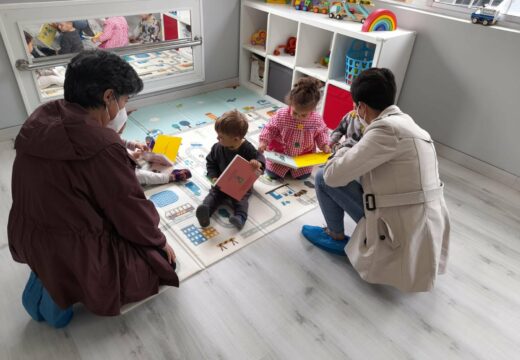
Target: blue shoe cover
pixel 317 236
pixel 32 296
pixel 52 313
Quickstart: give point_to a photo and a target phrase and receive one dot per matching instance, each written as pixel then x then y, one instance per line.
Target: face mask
pixel 117 123
pixel 362 119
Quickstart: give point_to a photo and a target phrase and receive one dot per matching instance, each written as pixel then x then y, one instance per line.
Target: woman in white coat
pixel 402 233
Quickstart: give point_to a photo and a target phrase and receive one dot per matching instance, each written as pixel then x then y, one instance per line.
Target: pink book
pixel 238 178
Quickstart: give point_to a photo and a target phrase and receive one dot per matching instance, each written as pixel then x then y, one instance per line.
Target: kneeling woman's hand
pixel 169 251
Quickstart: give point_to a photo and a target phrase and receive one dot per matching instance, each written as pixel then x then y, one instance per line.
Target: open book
pixel 296 162
pixel 168 146
pixel 238 178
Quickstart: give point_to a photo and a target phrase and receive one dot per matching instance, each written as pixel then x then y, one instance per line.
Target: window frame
pixel 14 17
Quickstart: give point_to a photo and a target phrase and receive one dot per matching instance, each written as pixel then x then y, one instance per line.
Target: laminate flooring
pixel 282 298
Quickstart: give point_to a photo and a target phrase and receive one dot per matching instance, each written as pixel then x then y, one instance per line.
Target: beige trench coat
pixel 403 239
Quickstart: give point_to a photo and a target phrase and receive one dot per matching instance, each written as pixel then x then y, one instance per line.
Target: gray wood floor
pixel 281 298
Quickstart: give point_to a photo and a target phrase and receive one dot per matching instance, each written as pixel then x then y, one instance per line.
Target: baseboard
pixel 478 166
pixel 169 95
pixel 9 133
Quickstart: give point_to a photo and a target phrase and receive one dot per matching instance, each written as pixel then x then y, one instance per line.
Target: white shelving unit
pixel 316 35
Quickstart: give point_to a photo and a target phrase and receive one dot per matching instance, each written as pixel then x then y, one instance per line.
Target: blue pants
pixel 335 201
pixel 39 304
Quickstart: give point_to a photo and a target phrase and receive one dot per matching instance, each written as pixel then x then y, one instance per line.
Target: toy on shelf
pixel 380 20
pixel 283 2
pixel 359 57
pixel 324 61
pixel 316 6
pixel 322 7
pixel 485 15
pixel 290 47
pixel 258 38
pixel 354 10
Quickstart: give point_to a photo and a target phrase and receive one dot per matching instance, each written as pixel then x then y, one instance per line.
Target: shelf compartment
pixel 283 59
pixel 313 45
pixel 257 49
pixel 253 20
pixel 279 80
pixel 279 31
pixel 245 71
pixel 340 49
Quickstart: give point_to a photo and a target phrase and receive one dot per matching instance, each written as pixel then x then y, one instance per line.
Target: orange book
pixel 238 178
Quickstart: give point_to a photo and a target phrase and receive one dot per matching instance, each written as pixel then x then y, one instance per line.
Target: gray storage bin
pixel 279 81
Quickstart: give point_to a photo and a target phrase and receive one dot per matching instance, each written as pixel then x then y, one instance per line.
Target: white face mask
pixel 119 121
pixel 362 119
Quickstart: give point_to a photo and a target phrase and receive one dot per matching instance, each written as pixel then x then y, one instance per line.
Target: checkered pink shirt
pixel 292 137
pixel 115 33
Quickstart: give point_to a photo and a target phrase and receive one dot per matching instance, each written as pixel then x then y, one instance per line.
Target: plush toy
pixel 290 47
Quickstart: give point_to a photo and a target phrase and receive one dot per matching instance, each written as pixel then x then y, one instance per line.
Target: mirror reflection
pixel 67 37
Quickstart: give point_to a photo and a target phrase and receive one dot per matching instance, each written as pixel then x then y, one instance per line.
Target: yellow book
pixel 296 162
pixel 168 146
pixel 47 34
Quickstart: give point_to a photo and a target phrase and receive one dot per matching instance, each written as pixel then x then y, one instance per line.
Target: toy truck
pixel 485 16
pixel 354 10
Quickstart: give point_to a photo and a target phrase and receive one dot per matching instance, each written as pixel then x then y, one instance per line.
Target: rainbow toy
pixel 380 20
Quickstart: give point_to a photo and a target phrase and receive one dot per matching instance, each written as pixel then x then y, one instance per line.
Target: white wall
pixel 221 29
pixel 463 86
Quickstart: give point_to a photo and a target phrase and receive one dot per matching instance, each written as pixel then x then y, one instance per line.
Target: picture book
pixel 296 162
pixel 47 34
pixel 168 146
pixel 238 178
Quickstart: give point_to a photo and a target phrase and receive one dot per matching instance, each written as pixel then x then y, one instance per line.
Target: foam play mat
pixel 272 204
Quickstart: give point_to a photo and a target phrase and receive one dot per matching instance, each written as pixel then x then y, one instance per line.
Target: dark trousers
pixel 216 197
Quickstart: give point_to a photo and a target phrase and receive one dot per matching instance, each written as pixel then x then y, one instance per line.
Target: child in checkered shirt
pixel 296 130
pixel 351 128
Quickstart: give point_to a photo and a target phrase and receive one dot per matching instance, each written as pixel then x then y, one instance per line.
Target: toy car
pixel 258 38
pixel 354 10
pixel 485 16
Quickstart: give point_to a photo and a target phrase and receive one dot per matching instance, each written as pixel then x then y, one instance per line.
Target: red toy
pixel 290 47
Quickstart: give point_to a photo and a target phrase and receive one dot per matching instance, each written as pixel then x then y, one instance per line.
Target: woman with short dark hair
pixel 79 218
pixel 402 233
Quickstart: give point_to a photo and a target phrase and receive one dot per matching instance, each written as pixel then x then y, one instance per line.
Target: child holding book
pixel 296 130
pixel 137 150
pixel 231 128
pixel 115 33
pixel 70 40
pixel 349 127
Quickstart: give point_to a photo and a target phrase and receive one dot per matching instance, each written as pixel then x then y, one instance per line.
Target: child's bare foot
pixel 178 175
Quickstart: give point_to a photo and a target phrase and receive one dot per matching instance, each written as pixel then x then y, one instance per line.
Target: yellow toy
pixel 277 2
pixel 258 38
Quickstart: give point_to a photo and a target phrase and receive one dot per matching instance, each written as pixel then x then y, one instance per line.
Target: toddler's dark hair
pixel 28 37
pixel 305 93
pixel 232 123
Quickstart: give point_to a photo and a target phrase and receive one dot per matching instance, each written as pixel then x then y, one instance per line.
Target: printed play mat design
pixel 272 204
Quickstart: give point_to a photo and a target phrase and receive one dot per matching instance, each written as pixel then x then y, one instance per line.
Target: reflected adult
pixel 402 233
pixel 79 218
